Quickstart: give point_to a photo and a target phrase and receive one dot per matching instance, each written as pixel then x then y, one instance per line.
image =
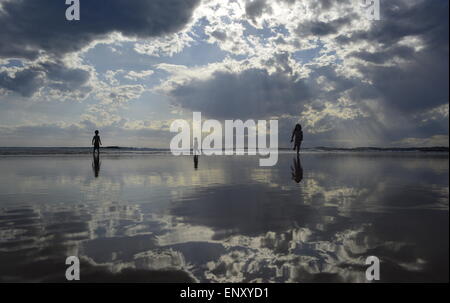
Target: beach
pixel 156 218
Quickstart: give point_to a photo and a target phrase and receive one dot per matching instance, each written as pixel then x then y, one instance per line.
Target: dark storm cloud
pixel 381 57
pixel 407 79
pixel 30 27
pixel 325 4
pixel 66 79
pixel 250 94
pixel 320 28
pixel 280 61
pixel 56 75
pixel 256 8
pixel 413 88
pixel 26 82
pixel 399 19
pixel 420 81
pixel 220 35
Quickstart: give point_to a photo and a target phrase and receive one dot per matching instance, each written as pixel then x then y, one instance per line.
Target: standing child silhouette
pixel 298 134
pixel 96 142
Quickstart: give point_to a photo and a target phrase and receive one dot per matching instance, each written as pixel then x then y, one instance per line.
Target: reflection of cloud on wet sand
pixel 226 221
pixel 294 256
pixel 105 238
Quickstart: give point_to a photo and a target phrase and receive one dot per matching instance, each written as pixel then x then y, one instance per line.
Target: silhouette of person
pixel 96 164
pixel 196 151
pixel 298 134
pixel 297 170
pixel 96 142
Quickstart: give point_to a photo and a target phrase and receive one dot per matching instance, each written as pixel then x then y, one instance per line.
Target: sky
pixel 130 68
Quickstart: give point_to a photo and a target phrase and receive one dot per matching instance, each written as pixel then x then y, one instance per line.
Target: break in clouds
pixel 131 67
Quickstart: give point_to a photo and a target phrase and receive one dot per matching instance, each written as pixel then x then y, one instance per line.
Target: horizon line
pixel 314 147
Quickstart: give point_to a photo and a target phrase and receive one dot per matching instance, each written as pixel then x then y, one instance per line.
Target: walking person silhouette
pixel 298 134
pixel 96 141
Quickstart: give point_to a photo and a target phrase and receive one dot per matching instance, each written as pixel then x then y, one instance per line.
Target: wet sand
pixel 156 218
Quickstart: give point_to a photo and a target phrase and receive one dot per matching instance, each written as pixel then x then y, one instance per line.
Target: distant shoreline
pixel 135 150
pixel 400 149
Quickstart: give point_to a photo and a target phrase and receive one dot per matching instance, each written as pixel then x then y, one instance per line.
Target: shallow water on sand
pixel 156 218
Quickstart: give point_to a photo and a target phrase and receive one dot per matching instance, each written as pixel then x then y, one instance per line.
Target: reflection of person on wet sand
pixel 96 165
pixel 297 170
pixel 298 134
pixel 195 161
pixel 196 151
